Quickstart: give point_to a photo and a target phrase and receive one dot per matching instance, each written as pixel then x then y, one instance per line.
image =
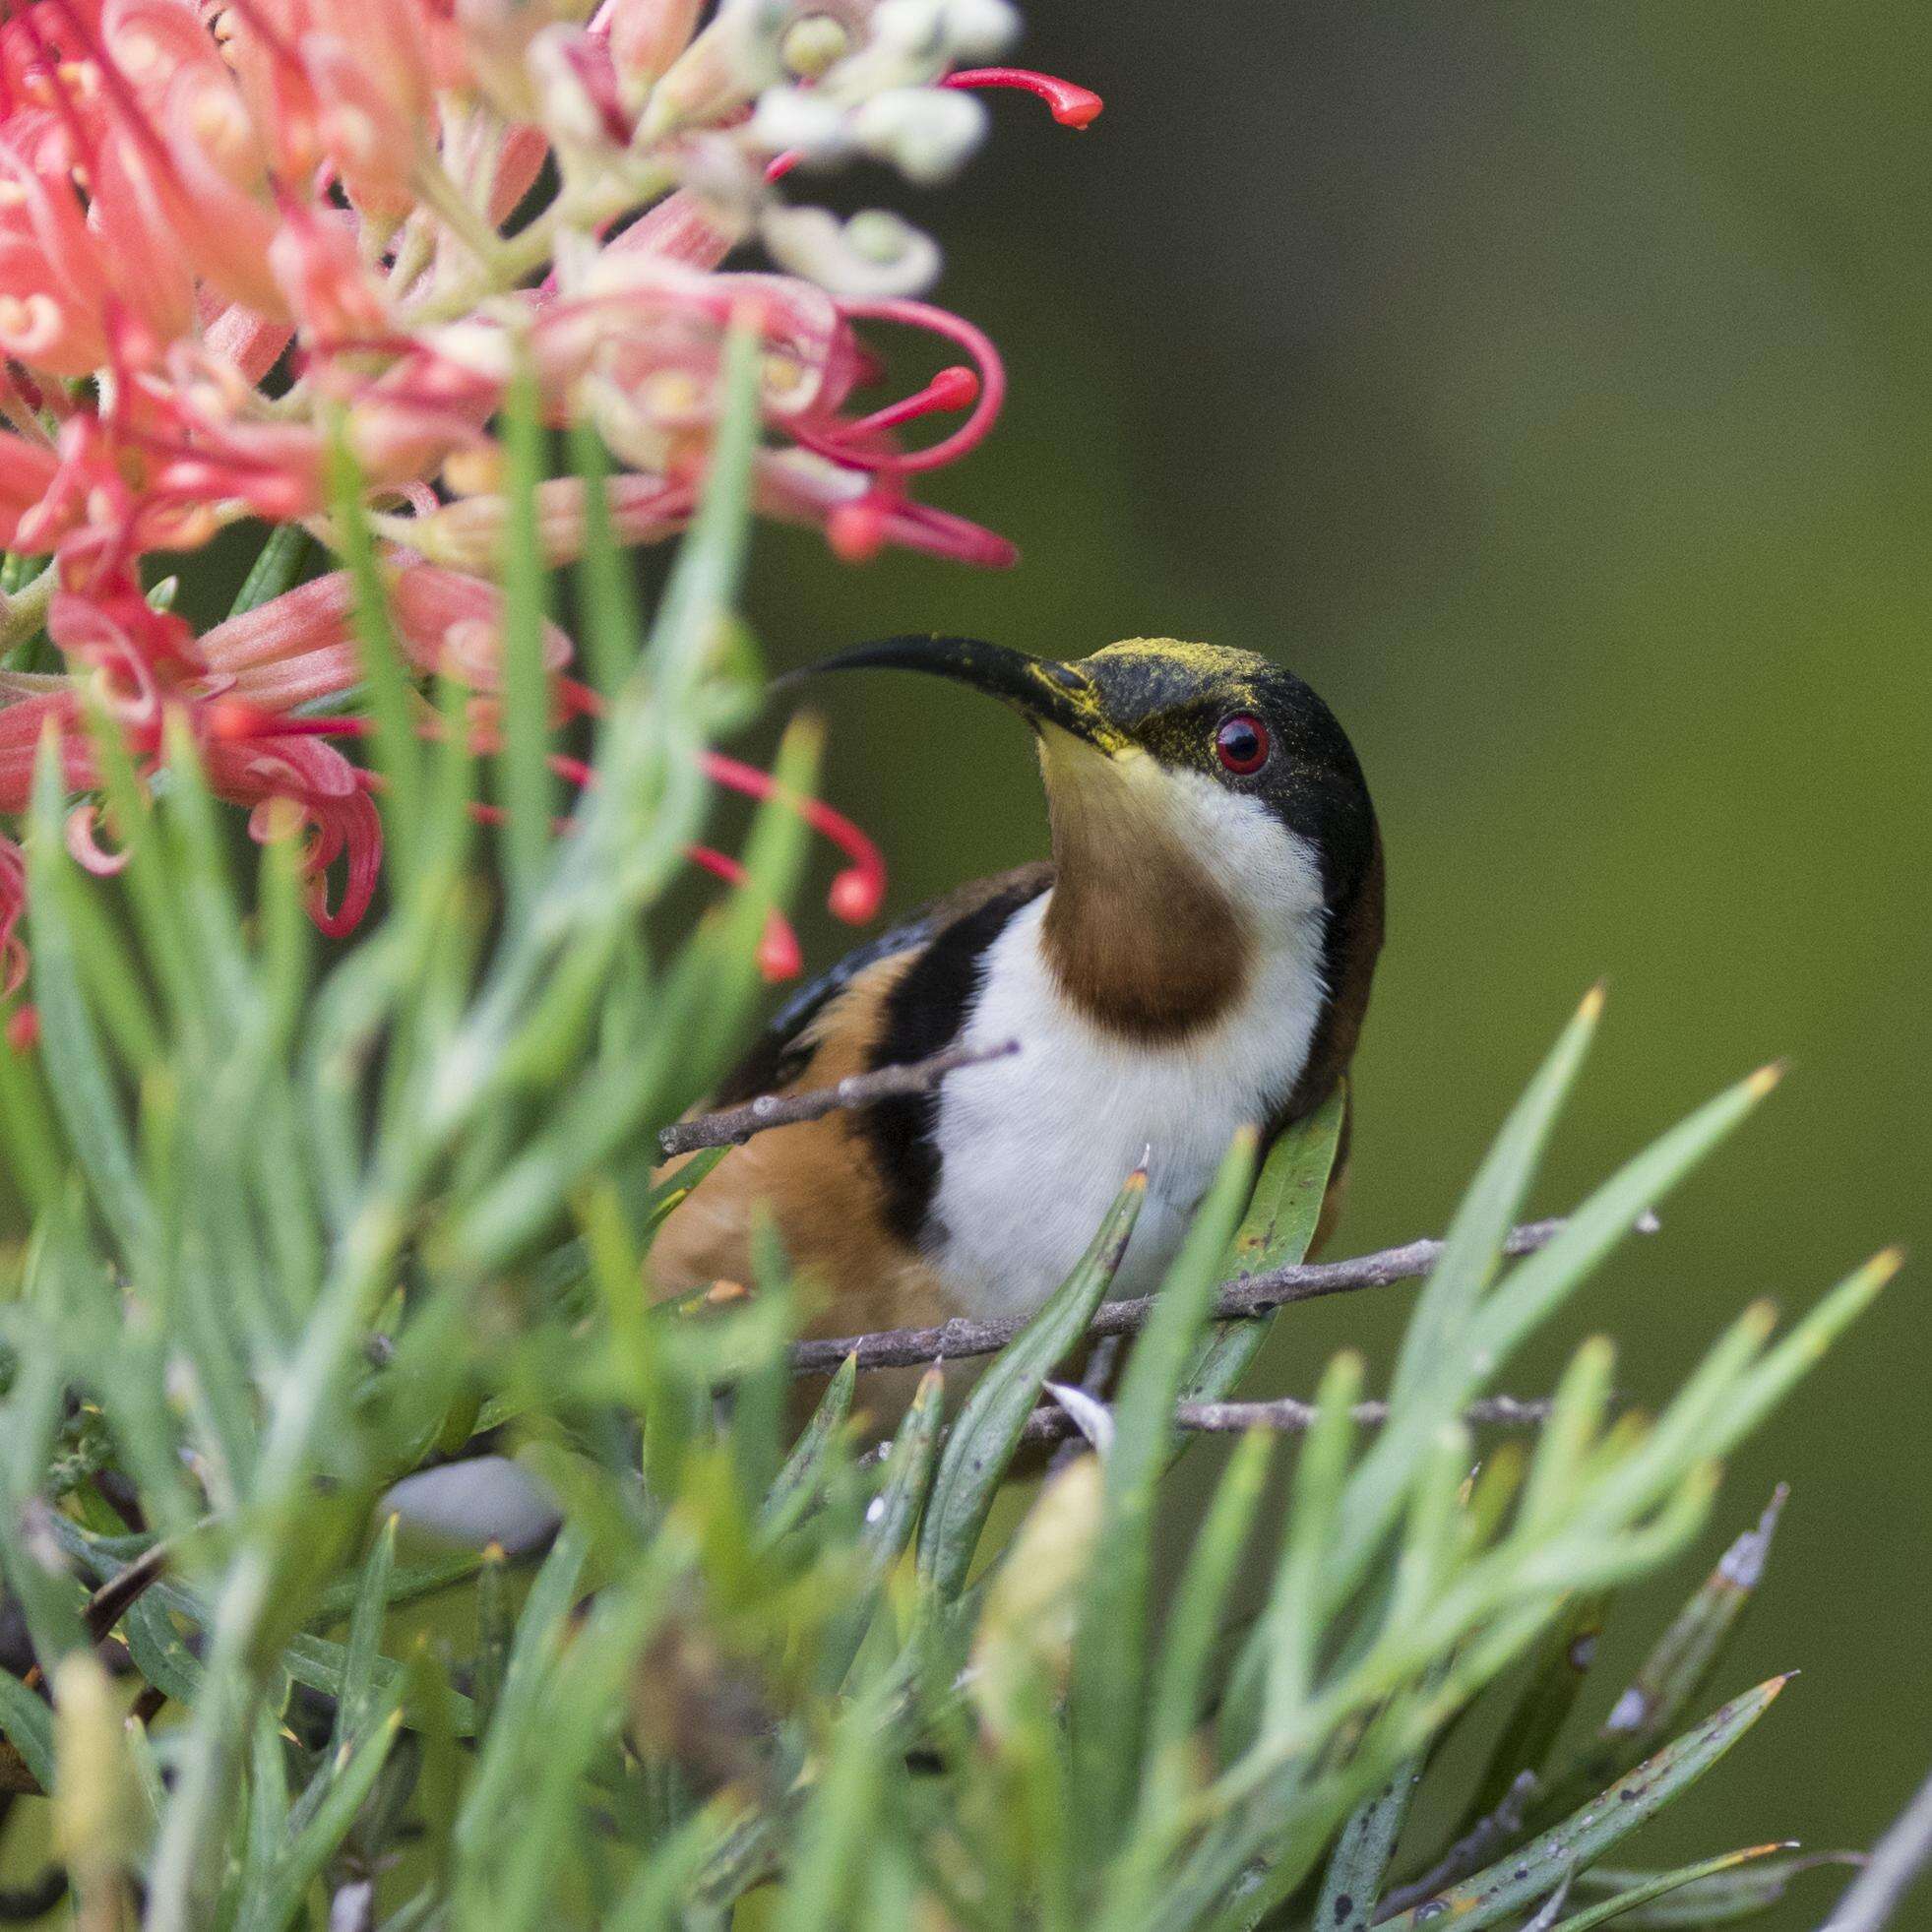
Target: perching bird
pixel 1196 957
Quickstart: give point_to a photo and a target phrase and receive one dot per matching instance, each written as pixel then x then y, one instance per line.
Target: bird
pixel 1194 958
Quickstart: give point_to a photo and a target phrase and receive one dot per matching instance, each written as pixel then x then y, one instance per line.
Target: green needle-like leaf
pixel 791 1492
pixel 1105 1712
pixel 1674 1675
pixel 1527 1875
pixel 1360 1861
pixel 356 1705
pixel 525 785
pixel 981 1442
pixel 27 1725
pixel 1661 1883
pixel 1276 1231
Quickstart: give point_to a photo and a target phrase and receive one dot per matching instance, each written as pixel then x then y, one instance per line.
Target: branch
pixel 1289 1416
pixel 1242 1299
pixel 119 1593
pixel 731 1126
pixel 1897 1862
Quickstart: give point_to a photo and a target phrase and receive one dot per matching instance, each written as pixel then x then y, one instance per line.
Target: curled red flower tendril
pixel 850 444
pixel 858 892
pixel 1070 104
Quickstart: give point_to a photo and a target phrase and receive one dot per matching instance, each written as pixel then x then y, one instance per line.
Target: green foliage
pixel 303 1226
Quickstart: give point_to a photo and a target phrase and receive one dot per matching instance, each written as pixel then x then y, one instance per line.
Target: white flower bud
pixel 796 117
pixel 977 30
pixel 927 133
pixel 875 256
pixel 913 27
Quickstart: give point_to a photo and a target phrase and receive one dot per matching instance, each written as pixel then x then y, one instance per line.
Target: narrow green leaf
pixel 839 1826
pixel 1106 1711
pixel 1549 1694
pixel 1540 1281
pixel 1583 1399
pixel 265 1827
pixel 1656 1885
pixel 27 1725
pixel 1286 1635
pixel 523 786
pixel 408 1583
pixel 275 570
pixel 1678 1668
pixel 352 1777
pixel 981 1442
pixel 82 1088
pixel 393 742
pixel 519 1707
pixel 36 1146
pixel 494 1629
pixel 612 628
pixel 1276 1231
pixel 1473 1246
pixel 792 1493
pixel 1771 1380
pixel 1361 1860
pixel 357 1703
pixel 1724 1898
pixel 1525 1875
pixel 1194 1626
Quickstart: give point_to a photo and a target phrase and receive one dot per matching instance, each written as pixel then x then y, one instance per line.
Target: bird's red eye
pixel 1241 744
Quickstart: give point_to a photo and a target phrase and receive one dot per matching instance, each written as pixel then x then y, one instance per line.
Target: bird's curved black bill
pixel 1042 690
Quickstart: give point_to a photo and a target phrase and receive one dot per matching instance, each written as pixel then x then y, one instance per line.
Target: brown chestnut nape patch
pixel 1137 934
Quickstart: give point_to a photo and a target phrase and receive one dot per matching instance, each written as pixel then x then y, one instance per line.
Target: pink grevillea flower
pixel 233 232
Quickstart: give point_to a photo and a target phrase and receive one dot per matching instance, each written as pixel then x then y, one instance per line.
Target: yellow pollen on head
pixel 779 375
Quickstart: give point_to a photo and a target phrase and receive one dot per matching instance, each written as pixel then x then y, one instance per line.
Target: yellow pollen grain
pixel 671 393
pixel 780 375
pixel 1764 1079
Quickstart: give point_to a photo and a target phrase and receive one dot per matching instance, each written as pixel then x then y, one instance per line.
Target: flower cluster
pixel 243 239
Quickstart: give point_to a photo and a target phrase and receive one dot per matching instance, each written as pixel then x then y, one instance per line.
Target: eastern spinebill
pixel 1194 958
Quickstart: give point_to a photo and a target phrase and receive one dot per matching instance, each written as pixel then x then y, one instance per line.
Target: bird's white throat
pixel 1034 1148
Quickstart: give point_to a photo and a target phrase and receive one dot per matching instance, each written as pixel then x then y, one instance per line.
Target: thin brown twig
pixel 119 1593
pixel 1242 1299
pixel 731 1126
pixel 1289 1415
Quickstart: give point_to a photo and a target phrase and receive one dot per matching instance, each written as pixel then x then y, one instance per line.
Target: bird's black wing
pixel 781 1052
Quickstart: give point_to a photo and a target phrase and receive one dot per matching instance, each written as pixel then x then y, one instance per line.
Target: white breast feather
pixel 1034 1149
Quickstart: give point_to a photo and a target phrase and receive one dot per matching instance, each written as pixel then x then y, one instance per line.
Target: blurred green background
pixel 1549 386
